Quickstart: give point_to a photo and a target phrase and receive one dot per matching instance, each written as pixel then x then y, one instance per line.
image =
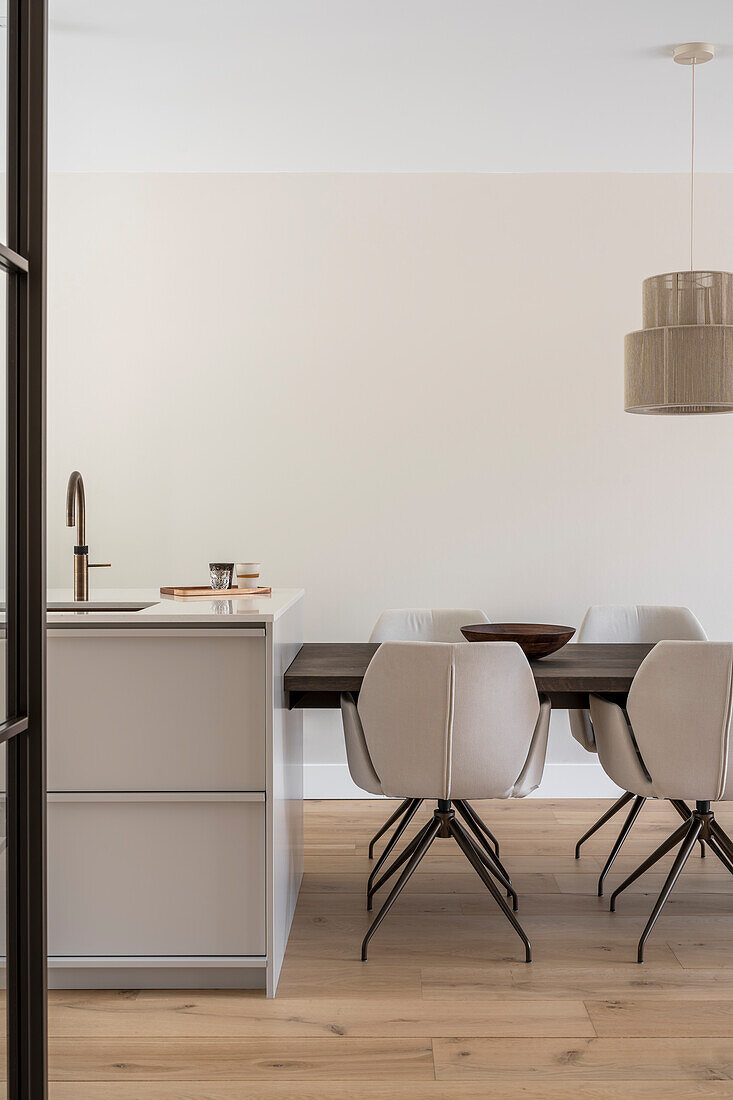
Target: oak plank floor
pixel 229 1014
pixel 235 1060
pixel 424 1090
pixel 660 1019
pixel 445 1007
pixel 674 1060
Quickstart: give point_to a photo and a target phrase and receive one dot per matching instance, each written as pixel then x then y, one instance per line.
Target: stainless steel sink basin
pixel 102 605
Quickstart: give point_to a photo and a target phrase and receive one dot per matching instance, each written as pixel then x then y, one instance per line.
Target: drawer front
pixel 169 712
pixel 160 879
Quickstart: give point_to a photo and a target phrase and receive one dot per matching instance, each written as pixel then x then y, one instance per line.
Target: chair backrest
pixel 632 623
pixel 679 708
pixel 639 623
pixel 449 720
pixel 424 624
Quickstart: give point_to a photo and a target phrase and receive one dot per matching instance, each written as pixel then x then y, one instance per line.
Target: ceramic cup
pixel 248 574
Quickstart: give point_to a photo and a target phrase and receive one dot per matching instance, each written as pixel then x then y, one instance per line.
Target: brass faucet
pixel 76 514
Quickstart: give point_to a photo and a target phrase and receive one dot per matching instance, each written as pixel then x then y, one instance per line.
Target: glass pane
pixel 3 705
pixel 3 480
pixel 3 118
pixel 3 879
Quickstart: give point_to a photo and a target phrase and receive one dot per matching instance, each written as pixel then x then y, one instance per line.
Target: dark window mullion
pixel 26 569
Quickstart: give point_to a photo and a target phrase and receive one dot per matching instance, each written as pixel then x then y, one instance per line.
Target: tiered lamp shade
pixel 682 360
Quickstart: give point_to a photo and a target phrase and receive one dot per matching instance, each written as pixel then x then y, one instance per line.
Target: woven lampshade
pixel 681 361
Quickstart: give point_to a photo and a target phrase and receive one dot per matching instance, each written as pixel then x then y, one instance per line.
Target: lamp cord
pixel 692 168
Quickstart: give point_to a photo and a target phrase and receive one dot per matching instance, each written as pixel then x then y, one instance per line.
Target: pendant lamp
pixel 681 361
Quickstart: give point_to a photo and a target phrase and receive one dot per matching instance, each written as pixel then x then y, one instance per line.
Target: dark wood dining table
pixel 322 670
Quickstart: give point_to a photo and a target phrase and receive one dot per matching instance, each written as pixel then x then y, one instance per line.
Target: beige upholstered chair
pixel 424 624
pixel 447 721
pixel 673 741
pixel 628 623
pixel 420 624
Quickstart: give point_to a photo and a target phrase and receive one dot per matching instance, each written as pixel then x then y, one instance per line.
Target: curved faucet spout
pixel 76 506
pixel 76 513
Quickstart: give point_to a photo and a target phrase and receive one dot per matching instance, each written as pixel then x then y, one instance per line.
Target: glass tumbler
pixel 220 573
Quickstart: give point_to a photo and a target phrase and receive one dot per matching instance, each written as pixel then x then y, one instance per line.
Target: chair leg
pixel 486 851
pixel 407 818
pixel 720 853
pixel 676 837
pixel 618 805
pixel 466 846
pixel 488 866
pixel 480 829
pixel 401 859
pixel 492 861
pixel 481 824
pixel 625 830
pixel 722 838
pixel 686 813
pixel 692 832
pixel 494 865
pixel 401 809
pixel 415 859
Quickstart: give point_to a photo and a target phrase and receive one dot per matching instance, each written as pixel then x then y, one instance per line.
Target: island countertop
pixel 146 607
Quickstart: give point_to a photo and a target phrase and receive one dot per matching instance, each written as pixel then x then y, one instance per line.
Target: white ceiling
pixel 386 85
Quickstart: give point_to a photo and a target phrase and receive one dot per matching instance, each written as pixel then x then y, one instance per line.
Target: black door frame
pixel 23 257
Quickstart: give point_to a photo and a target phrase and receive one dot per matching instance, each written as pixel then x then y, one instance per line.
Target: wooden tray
pixel 201 592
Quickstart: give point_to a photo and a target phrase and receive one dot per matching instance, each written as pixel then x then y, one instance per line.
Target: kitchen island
pixel 175 790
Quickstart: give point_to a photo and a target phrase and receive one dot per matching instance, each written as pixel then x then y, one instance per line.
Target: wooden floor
pixel 445 1007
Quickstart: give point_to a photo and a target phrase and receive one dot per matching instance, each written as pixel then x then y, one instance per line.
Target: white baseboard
pixel 576 781
pixel 559 781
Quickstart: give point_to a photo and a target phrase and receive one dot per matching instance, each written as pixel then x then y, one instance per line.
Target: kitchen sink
pixel 102 605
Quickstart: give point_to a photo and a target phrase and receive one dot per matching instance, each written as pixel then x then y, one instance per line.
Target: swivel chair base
pixel 638 801
pixel 472 820
pixel 444 824
pixel 404 807
pixel 699 826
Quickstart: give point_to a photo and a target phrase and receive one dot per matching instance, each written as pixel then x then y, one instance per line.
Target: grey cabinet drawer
pixel 149 878
pixel 162 710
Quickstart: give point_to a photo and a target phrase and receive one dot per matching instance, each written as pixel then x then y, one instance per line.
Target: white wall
pixel 393 389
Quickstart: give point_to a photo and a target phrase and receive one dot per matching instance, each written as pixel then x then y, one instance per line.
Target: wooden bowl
pixel 536 639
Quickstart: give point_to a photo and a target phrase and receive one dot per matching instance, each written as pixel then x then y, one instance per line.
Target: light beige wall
pixel 393 389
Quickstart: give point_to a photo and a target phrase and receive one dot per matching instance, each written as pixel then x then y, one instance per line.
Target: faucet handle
pixel 99 565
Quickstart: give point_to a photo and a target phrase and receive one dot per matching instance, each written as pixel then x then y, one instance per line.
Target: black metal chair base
pixel 616 808
pixel 404 807
pixel 638 801
pixel 413 805
pixel 487 855
pixel 401 809
pixel 445 825
pixel 700 825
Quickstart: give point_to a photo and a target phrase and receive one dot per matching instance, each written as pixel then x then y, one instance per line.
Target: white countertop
pixel 265 609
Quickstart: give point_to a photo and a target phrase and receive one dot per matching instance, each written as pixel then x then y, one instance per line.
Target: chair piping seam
pixel 725 740
pixel 447 774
